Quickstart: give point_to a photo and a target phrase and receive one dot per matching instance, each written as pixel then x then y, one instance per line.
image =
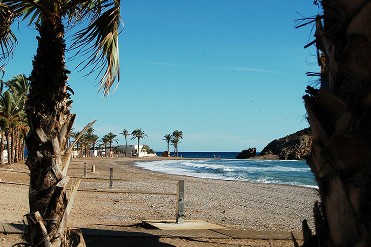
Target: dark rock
pixel 246 154
pixel 296 146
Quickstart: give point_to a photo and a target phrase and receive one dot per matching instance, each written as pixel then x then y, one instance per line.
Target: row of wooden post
pixel 93 171
pixel 180 194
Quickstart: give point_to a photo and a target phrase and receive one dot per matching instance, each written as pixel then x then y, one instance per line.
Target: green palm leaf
pixel 8 40
pixel 99 41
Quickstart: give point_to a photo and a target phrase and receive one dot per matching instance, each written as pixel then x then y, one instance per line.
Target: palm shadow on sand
pixel 104 238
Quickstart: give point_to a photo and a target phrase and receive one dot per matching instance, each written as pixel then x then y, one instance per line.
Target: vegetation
pixel 339 114
pixel 48 103
pixel 175 140
pixel 13 123
pixel 87 141
pixel 125 133
pixel 167 138
pixel 109 138
pixel 148 149
pixel 138 134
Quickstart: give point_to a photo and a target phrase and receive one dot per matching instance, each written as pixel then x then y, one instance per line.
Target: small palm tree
pixel 138 134
pixel 105 141
pixel 110 136
pixel 93 140
pixel 12 111
pixel 14 123
pixel 176 136
pixel 167 138
pixel 125 133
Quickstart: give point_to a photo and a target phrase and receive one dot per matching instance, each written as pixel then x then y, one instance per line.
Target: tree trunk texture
pixel 1 148
pixel 8 147
pixel 339 114
pixel 14 146
pixel 50 120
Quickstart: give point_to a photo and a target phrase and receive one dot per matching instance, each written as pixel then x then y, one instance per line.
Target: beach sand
pixel 139 194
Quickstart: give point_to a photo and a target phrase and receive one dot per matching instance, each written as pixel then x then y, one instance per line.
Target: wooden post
pixel 93 168
pixel 84 169
pixel 180 203
pixel 111 177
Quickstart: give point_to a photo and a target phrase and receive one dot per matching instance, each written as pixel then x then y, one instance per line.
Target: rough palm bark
pixel 339 114
pixel 48 104
pixel 50 122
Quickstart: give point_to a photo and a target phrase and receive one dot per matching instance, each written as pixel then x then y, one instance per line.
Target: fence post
pixel 85 169
pixel 180 203
pixel 111 177
pixel 93 168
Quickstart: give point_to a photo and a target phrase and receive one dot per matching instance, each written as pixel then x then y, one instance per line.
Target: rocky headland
pixel 296 146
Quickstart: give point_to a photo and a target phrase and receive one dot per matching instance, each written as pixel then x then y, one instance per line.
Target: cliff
pixel 296 146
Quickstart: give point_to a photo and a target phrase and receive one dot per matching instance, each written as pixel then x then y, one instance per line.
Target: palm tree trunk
pixel 126 147
pixel 50 121
pixel 15 146
pixel 8 148
pixel 339 114
pixel 1 148
pixel 21 148
pixel 138 148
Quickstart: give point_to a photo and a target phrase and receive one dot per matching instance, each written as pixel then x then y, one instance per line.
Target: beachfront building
pixel 100 151
pixel 133 149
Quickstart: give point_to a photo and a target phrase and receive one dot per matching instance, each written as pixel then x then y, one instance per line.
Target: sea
pixel 224 165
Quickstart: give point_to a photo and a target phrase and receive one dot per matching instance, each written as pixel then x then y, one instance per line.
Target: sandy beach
pixel 139 194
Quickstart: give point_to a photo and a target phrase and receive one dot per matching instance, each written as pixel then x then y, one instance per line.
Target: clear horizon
pixel 230 75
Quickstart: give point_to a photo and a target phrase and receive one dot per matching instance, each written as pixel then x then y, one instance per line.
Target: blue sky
pixel 229 73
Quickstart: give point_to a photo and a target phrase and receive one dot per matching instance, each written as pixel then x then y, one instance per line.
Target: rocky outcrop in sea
pixel 296 146
pixel 246 154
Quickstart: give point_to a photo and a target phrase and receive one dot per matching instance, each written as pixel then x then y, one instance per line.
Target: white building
pixel 132 150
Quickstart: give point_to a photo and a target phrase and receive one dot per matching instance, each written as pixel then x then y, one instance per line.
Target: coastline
pixel 245 170
pixel 242 204
pixel 139 194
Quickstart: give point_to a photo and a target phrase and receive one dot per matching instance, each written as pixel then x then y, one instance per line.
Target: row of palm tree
pixel 174 139
pixel 13 122
pixel 13 125
pixel 89 139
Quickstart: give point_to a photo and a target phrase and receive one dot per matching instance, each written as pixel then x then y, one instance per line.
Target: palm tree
pixel 174 143
pixel 93 140
pixel 13 122
pixel 125 133
pixel 167 138
pixel 12 112
pixel 340 118
pixel 90 140
pixel 176 136
pixel 110 137
pixel 138 134
pixel 105 141
pixel 48 106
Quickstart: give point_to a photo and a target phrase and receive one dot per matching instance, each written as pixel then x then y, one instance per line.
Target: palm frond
pixel 304 21
pixel 8 40
pixel 99 42
pixel 26 8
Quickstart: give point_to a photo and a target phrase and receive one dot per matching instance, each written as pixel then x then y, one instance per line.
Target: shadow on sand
pixel 104 238
pixel 98 237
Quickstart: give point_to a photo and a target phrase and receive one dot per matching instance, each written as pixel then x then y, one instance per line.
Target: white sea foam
pixel 278 172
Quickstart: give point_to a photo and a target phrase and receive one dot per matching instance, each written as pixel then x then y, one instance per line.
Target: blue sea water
pixel 204 155
pixel 290 172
